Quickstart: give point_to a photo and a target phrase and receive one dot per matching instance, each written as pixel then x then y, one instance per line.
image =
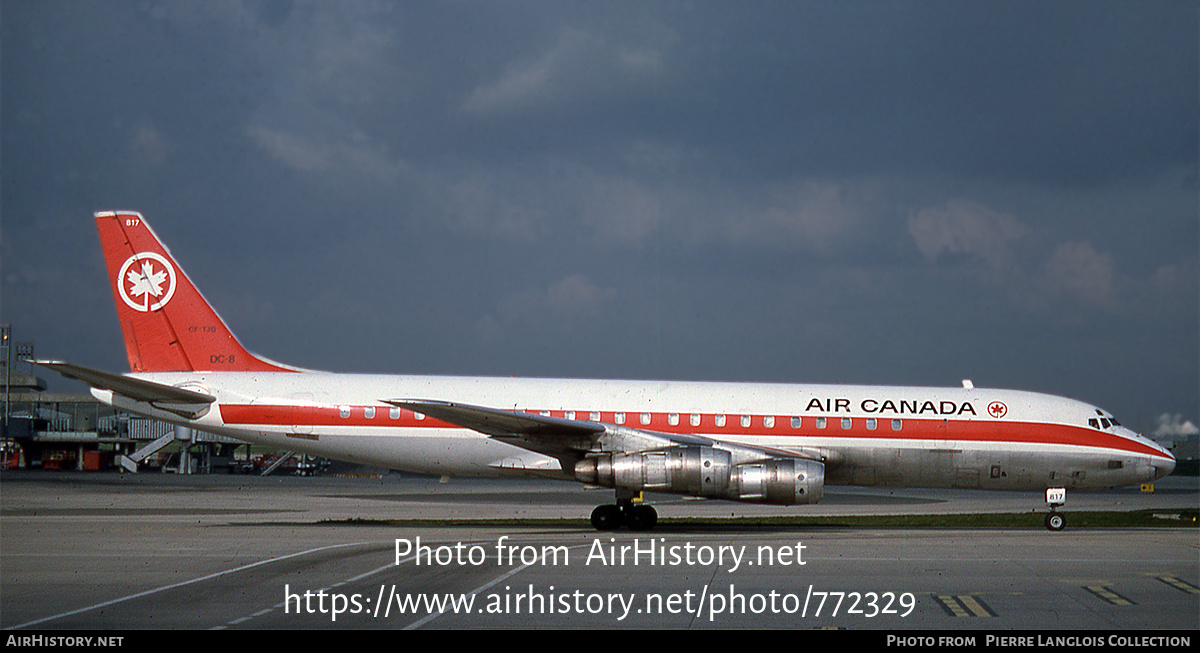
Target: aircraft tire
pixel 607 517
pixel 641 517
pixel 1055 521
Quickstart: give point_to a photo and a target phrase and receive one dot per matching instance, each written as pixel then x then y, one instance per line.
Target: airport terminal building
pixel 68 431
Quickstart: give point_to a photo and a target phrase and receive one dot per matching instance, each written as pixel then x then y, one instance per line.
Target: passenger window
pixel 645 418
pixel 820 422
pixel 871 423
pixel 344 411
pixel 897 425
pixel 795 422
pixel 845 423
pixel 619 418
pixel 369 412
pixel 695 419
pixel 769 421
pixel 720 420
pixel 594 416
pixel 394 413
pixel 570 414
pixel 745 421
pixel 673 419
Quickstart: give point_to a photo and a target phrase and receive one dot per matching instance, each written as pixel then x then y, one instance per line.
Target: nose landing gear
pixel 1055 521
pixel 1055 497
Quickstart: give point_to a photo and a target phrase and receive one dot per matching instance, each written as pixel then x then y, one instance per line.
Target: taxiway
pixel 104 551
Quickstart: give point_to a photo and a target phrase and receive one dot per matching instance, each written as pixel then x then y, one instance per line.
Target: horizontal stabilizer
pixel 176 400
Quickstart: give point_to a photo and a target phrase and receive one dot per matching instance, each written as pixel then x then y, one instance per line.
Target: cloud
pixel 482 203
pixel 1077 269
pixel 628 208
pixel 966 228
pixel 148 145
pixel 570 301
pixel 812 214
pixel 622 210
pixel 294 151
pixel 355 154
pixel 579 66
pixel 575 295
pixel 571 297
pixel 1073 270
pixel 1173 426
pixel 1180 279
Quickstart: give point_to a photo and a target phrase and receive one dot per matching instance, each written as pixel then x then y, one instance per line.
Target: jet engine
pixel 707 472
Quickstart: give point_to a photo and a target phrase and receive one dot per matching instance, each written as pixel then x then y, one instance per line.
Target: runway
pixel 103 551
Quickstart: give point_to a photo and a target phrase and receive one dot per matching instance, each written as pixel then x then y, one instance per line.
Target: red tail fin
pixel 168 325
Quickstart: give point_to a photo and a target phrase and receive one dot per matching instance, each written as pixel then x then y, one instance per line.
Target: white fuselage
pixel 865 435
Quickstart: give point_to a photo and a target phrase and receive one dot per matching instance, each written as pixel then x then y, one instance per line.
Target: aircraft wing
pixel 180 401
pixel 572 439
pixel 499 423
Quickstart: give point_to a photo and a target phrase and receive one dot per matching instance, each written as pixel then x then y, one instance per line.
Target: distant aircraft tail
pixel 167 323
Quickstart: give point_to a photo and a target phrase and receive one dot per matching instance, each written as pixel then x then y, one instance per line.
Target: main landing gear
pixel 628 511
pixel 1055 497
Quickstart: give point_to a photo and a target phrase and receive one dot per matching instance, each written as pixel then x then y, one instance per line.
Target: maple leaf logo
pixel 142 286
pixel 147 283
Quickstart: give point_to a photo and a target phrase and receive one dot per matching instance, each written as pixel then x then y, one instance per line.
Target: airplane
pixel 749 442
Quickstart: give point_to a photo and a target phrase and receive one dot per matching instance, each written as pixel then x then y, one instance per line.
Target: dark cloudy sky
pixel 858 192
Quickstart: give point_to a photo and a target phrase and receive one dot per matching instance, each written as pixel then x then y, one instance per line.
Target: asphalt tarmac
pixel 103 551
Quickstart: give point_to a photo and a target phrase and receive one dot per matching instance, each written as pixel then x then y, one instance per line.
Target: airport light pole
pixel 5 341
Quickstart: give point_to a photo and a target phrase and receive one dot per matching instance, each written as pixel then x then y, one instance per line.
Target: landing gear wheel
pixel 641 517
pixel 1055 521
pixel 607 517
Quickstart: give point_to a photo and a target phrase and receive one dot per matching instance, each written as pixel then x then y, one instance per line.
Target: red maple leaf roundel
pixel 147 281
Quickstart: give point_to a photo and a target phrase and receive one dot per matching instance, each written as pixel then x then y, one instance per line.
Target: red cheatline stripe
pixel 975 430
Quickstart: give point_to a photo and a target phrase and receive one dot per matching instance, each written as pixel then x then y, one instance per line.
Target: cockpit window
pixel 1114 421
pixel 1105 423
pixel 1094 423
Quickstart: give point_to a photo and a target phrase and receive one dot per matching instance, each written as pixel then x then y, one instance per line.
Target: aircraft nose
pixel 1164 466
pixel 1162 462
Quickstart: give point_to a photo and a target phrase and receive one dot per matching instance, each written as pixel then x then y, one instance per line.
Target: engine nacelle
pixel 699 471
pixel 707 472
pixel 785 481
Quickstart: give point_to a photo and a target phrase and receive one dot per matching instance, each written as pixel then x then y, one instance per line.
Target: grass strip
pixel 1156 518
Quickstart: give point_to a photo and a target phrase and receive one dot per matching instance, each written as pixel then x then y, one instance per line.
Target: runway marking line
pixel 1107 594
pixel 1179 584
pixel 281 604
pixel 964 605
pixel 182 584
